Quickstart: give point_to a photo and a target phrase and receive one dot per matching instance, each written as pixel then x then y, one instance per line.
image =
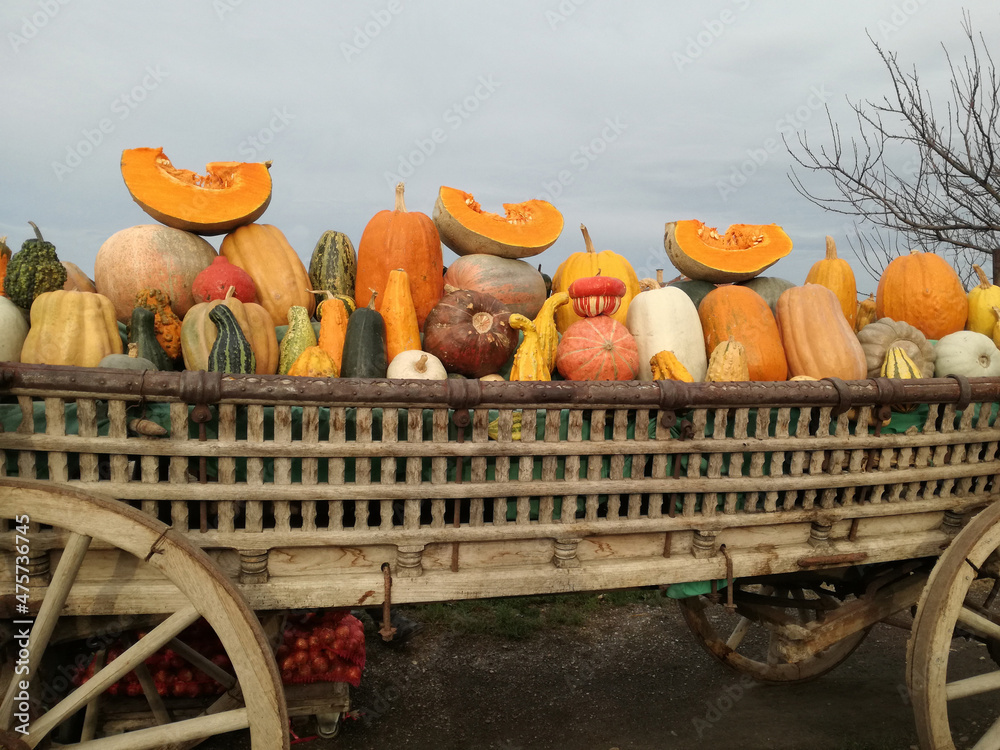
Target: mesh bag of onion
pixel 327 647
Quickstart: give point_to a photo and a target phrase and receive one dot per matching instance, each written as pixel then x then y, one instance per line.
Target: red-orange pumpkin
pixel 518 285
pixel 400 239
pixel 150 256
pixel 738 312
pixel 922 289
pixel 598 348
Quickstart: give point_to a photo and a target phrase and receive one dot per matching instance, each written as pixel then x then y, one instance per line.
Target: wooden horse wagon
pixel 795 515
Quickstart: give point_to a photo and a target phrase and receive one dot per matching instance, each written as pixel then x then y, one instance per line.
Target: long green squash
pixel 231 352
pixel 365 344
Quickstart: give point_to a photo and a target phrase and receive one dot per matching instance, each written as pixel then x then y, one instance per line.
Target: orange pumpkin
pixel 277 271
pixel 836 275
pixel 589 263
pixel 400 239
pixel 739 313
pixel 922 289
pixel 817 338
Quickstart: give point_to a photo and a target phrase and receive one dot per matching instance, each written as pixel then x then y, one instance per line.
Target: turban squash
pixel 524 230
pixel 229 195
pixel 740 253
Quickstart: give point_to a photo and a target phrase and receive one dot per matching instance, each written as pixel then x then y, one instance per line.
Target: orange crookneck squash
pixel 229 194
pixel 401 330
pixel 524 230
pixel 588 263
pixel 404 239
pixel 740 253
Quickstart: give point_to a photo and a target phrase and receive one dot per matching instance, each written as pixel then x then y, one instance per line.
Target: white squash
pixel 15 330
pixel 414 364
pixel 667 319
pixel 966 353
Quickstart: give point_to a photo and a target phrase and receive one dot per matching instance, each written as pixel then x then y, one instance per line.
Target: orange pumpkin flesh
pixel 228 196
pixel 740 253
pixel 525 229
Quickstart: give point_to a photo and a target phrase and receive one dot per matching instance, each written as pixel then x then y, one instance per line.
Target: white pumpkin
pixel 414 364
pixel 666 319
pixel 966 353
pixel 15 329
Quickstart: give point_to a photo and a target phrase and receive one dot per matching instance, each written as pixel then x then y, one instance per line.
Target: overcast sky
pixel 625 115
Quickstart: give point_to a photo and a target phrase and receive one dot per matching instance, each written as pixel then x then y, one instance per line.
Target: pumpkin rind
pixel 598 348
pixel 229 194
pixel 922 289
pixel 737 312
pixel 587 263
pixel 71 328
pixel 768 287
pixel 836 275
pixel 150 256
pixel 878 337
pixel 404 239
pixel 817 339
pixel 740 253
pixel 666 319
pixel 526 229
pixel 518 285
pixel 470 333
pixel 277 272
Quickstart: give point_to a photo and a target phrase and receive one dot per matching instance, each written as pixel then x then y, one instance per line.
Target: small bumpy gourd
pixel 231 352
pixel 529 362
pixel 666 366
pixel 545 326
pixel 32 271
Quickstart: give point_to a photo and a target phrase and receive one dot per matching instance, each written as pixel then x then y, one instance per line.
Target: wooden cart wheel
pixel 747 646
pixel 89 517
pixel 956 602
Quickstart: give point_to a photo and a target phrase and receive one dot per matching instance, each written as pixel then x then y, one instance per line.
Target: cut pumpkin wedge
pixel 229 194
pixel 740 253
pixel 525 229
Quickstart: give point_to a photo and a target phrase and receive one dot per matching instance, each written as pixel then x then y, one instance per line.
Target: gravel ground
pixel 631 678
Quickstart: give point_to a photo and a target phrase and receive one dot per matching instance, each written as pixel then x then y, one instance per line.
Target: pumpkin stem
pixel 586 239
pixel 659 276
pixel 267 164
pixel 831 248
pixel 230 292
pixel 400 204
pixel 996 313
pixel 371 302
pixel 133 350
pixel 421 364
pixel 38 232
pixel 984 283
pixel 327 292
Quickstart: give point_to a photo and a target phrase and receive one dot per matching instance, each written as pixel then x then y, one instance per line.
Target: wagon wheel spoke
pixel 48 614
pixel 739 633
pixel 198 728
pixel 773 657
pixel 990 740
pixel 977 685
pixel 114 671
pixel 978 624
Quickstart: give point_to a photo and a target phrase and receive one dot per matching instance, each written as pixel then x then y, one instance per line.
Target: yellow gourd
pixel 545 326
pixel 528 360
pixel 982 299
pixel 332 325
pixel 728 363
pixel 314 362
pixel 866 313
pixel 666 366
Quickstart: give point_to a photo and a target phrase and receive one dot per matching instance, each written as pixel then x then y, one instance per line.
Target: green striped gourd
pixel 333 268
pixel 231 352
pixel 299 337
